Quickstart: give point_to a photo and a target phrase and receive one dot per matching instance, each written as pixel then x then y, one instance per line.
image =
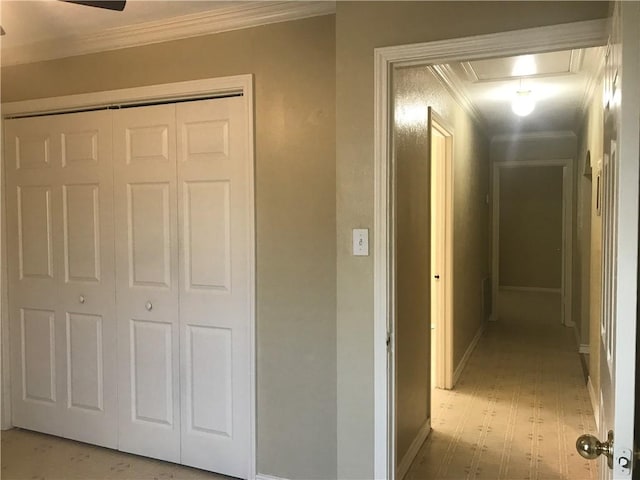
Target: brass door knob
pixel 590 447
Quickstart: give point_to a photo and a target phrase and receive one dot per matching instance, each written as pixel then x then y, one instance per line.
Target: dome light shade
pixel 523 104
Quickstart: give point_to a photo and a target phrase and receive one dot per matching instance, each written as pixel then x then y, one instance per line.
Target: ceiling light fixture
pixel 523 103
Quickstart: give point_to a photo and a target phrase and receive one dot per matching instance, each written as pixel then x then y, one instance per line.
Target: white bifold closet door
pixel 130 236
pixel 60 245
pixel 144 147
pixel 215 310
pixel 183 282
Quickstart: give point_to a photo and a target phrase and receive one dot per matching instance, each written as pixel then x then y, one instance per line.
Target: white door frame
pixel 196 89
pixel 567 233
pixel 556 37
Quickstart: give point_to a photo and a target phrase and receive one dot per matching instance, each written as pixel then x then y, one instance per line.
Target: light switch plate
pixel 361 242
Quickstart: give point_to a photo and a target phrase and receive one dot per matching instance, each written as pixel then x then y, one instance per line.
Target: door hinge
pixel 388 341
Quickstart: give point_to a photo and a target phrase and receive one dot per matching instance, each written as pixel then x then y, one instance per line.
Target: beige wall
pixel 418 89
pixel 554 146
pixel 583 239
pixel 361 27
pixel 591 137
pixel 530 227
pixel 294 68
pixel 413 265
pixel 550 146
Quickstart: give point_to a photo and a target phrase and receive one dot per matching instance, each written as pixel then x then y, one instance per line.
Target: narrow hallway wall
pixel 416 89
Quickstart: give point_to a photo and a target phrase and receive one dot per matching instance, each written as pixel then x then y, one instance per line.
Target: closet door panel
pixel 152 379
pixel 85 359
pixel 32 160
pixel 32 167
pixel 35 236
pixel 60 232
pixel 81 214
pixel 147 290
pixel 149 242
pixel 38 345
pixel 87 277
pixel 214 224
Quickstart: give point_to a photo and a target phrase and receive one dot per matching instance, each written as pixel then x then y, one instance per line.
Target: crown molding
pixel 455 87
pixel 595 78
pixel 515 137
pixel 233 17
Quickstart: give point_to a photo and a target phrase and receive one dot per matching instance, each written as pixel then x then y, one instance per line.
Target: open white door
pixel 441 139
pixel 620 247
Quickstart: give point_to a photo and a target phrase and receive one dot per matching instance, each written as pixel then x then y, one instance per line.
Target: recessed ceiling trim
pixel 576 61
pixel 472 76
pixel 516 137
pixel 234 17
pixel 452 83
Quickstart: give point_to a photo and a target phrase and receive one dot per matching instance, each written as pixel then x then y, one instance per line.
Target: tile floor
pixel 516 412
pixel 35 456
pixel 515 415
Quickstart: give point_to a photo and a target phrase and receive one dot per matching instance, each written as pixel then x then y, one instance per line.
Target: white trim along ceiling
pixel 232 16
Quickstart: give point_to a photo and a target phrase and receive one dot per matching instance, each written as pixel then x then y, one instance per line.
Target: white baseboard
pixel 6 424
pixel 465 358
pixel 260 476
pixel 5 405
pixel 582 347
pixel 530 289
pixel 409 457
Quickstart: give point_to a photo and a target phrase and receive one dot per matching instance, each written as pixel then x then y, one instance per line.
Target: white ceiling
pixel 45 29
pixel 28 22
pixel 560 83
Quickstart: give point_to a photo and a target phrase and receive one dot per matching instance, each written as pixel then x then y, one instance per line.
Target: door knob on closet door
pixel 81 299
pixel 148 306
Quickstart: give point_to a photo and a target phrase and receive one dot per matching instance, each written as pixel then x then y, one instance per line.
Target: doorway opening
pixel 532 240
pixel 388 62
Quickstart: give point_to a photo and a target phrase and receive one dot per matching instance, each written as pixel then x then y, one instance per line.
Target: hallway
pixel 516 412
